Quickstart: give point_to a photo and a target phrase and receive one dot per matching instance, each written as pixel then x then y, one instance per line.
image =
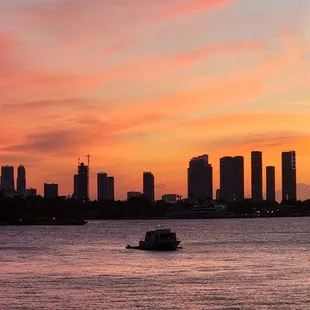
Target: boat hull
pixel 171 246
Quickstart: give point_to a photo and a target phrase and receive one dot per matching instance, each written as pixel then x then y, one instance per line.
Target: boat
pixel 211 209
pixel 158 240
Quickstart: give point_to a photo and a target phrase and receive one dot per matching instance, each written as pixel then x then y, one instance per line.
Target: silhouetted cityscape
pixel 200 181
pixel 200 178
pixel 22 206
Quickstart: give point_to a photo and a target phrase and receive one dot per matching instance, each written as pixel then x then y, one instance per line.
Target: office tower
pixel 257 176
pixel 21 179
pixel 289 191
pixel 270 184
pixel 199 179
pixel 110 188
pixel 232 178
pixel 7 177
pixel 226 178
pixel 82 183
pixel 102 186
pixel 148 186
pixel 238 174
pixel 50 190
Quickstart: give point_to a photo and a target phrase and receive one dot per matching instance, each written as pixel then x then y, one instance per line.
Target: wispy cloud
pixel 186 8
pixel 47 104
pixel 71 140
pixel 150 84
pixel 258 140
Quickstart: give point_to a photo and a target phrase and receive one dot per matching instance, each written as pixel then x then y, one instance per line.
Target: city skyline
pixel 231 185
pixel 145 86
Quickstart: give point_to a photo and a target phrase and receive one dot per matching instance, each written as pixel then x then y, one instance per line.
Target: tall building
pixel 21 179
pixel 232 178
pixel 7 177
pixel 238 186
pixel 200 179
pixel 50 190
pixel 226 178
pixel 102 186
pixel 82 183
pixel 270 183
pixel 110 188
pixel 257 175
pixel 289 188
pixel 148 186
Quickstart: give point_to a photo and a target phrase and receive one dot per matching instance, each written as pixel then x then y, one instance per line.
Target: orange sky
pixel 146 85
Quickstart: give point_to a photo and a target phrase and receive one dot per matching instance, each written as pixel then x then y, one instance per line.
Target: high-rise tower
pixel 82 183
pixel 289 188
pixel 270 184
pixel 21 179
pixel 110 188
pixel 148 185
pixel 7 178
pixel 102 186
pixel 232 178
pixel 200 179
pixel 257 176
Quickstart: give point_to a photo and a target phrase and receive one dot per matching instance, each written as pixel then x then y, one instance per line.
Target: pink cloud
pixel 58 56
pixel 192 6
pixel 8 62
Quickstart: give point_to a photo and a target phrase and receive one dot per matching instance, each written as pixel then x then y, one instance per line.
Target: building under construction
pixel 81 181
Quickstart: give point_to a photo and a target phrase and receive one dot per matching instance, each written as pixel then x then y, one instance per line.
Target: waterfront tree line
pixel 36 208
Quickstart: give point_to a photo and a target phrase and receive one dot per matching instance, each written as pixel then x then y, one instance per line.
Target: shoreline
pixel 166 218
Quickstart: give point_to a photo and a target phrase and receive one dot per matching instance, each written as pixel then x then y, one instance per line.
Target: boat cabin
pixel 160 234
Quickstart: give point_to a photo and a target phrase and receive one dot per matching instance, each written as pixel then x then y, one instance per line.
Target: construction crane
pixel 88 157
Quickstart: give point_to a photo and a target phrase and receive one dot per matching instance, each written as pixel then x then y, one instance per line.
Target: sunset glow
pixel 146 85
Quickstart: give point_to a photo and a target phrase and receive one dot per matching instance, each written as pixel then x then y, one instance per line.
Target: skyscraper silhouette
pixel 257 175
pixel 7 177
pixel 21 179
pixel 232 178
pixel 82 183
pixel 238 185
pixel 110 188
pixel 102 186
pixel 200 179
pixel 148 185
pixel 270 184
pixel 289 188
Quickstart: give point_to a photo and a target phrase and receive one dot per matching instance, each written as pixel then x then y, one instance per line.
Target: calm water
pixel 224 264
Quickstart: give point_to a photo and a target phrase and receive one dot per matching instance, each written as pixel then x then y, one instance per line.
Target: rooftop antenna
pixel 79 161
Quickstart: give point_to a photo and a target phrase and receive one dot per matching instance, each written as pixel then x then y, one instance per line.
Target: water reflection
pixel 224 264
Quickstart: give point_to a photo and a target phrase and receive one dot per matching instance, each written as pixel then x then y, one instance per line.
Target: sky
pixel 146 85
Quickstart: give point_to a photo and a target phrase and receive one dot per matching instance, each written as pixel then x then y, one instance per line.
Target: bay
pixel 260 263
